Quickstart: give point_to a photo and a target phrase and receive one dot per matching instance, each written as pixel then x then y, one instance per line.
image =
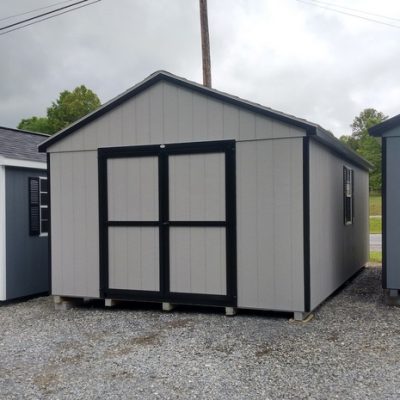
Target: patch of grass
pixel 375 256
pixel 375 204
pixel 375 224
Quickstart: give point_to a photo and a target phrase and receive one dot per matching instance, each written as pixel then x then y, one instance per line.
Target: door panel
pixel 168 223
pixel 198 260
pixel 197 187
pixel 132 187
pixel 134 258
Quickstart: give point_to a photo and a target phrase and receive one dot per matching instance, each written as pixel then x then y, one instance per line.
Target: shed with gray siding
pixel 24 269
pixel 176 193
pixel 389 131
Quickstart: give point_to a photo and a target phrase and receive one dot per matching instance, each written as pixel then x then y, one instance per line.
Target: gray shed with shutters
pixel 180 194
pixel 389 131
pixel 24 264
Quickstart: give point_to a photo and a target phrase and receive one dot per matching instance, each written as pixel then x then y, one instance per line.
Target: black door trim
pixel 163 152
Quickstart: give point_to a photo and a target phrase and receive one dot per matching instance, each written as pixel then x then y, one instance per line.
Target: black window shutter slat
pixel 34 207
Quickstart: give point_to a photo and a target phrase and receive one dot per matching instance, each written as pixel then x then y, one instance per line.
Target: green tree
pixel 367 146
pixel 68 108
pixel 35 124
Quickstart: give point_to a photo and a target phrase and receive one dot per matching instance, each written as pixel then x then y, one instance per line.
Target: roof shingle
pixel 21 145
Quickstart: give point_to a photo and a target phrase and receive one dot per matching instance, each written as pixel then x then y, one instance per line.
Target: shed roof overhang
pixel 311 129
pixel 385 126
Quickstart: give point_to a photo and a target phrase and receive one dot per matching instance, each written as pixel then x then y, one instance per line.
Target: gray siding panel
pixel 270 224
pixel 198 260
pixel 133 189
pixel 337 251
pixel 166 113
pixel 134 258
pixel 197 187
pixel 74 224
pixel 393 212
pixel 27 270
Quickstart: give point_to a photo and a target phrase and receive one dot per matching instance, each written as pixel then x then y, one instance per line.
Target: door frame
pixel 162 152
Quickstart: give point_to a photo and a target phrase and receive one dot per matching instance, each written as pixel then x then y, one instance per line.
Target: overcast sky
pixel 294 57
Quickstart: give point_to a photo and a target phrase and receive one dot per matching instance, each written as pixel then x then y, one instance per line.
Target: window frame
pixel 43 206
pixel 37 192
pixel 348 195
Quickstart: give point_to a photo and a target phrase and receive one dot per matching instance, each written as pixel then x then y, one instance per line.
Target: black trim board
pixel 49 228
pixel 384 215
pixel 162 152
pixel 306 224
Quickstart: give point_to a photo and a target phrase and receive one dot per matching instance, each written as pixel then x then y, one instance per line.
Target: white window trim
pixel 11 162
pixel 42 178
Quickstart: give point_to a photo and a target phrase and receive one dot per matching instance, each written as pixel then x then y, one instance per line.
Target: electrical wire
pixel 350 14
pixel 357 10
pixel 49 17
pixel 41 15
pixel 36 9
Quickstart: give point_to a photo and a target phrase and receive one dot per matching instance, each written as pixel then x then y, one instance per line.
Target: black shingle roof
pixel 21 145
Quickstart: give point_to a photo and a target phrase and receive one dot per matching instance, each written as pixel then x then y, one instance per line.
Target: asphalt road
pixel 375 242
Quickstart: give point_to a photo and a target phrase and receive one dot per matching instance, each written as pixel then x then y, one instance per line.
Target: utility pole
pixel 205 44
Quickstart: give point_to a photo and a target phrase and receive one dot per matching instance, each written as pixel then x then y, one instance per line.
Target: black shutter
pixel 34 207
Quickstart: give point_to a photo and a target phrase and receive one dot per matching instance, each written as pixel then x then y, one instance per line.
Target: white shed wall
pixel 337 251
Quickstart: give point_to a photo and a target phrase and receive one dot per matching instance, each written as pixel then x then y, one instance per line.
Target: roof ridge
pixel 25 131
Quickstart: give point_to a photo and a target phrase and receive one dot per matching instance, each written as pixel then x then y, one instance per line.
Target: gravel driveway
pixel 351 350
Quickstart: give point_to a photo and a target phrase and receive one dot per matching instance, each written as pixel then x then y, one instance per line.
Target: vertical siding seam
pixel 85 260
pixel 257 228
pixel 294 264
pixel 73 224
pixel 274 222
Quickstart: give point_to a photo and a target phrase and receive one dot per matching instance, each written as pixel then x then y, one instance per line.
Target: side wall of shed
pixel 27 270
pixel 337 251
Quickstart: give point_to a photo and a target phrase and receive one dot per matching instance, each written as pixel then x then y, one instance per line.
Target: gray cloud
pixel 298 59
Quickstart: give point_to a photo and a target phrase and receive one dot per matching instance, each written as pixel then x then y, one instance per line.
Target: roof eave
pixel 336 145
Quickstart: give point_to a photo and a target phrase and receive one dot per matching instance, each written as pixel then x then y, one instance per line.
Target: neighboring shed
pixel 24 267
pixel 180 194
pixel 389 131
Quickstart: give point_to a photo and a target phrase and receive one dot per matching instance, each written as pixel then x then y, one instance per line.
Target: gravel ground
pixel 351 350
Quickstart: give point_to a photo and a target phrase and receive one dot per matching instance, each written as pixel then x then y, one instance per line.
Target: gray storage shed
pixel 389 130
pixel 24 269
pixel 180 194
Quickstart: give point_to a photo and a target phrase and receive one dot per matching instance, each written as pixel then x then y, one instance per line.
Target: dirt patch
pixel 263 351
pixel 179 323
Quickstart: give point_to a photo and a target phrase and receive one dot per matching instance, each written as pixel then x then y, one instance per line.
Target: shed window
pixel 38 206
pixel 348 200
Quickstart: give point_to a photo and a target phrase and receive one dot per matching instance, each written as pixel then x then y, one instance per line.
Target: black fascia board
pixel 380 129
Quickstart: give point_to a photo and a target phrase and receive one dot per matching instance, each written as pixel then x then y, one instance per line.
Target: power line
pixel 357 10
pixel 36 9
pixel 350 14
pixel 49 17
pixel 41 15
